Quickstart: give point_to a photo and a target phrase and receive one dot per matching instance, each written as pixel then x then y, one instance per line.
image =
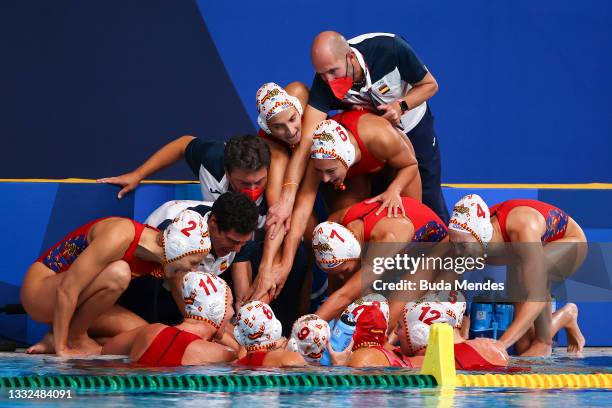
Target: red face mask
pixel 341 86
pixel 254 193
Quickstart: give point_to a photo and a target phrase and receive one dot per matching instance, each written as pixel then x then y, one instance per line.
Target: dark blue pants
pixel 427 149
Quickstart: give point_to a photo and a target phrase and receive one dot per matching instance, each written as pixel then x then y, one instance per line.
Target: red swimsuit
pixel 368 163
pixel 428 227
pixel 63 254
pixel 468 358
pixel 556 219
pixel 255 359
pixel 395 357
pixel 167 348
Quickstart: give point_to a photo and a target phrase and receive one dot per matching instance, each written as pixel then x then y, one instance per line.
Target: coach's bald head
pixel 328 52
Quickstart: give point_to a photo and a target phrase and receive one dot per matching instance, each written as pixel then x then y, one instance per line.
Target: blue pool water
pixel 594 360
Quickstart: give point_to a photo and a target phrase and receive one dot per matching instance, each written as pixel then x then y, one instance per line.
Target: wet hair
pixel 246 152
pixel 235 211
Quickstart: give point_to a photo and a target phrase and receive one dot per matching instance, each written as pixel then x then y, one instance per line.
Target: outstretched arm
pixel 164 157
pixel 265 279
pixel 279 161
pixel 382 245
pixel 241 276
pixel 341 298
pixel 301 213
pixel 270 276
pixel 281 211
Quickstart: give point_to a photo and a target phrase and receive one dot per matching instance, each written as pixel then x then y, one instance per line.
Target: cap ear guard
pixel 452 305
pixel 186 235
pixel 419 315
pixel 334 244
pixel 256 327
pixel 352 311
pixel 206 296
pixel 330 141
pixel 272 100
pixel 309 337
pixel 471 214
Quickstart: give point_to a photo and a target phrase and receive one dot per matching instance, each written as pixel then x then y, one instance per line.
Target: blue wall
pixel 524 85
pixel 89 89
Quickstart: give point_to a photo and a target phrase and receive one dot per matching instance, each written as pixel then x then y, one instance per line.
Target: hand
pixel 265 284
pixel 495 347
pixel 227 340
pixel 282 343
pixel 392 339
pixel 279 216
pixel 280 272
pixel 339 358
pixel 392 112
pixel 237 305
pixel 128 181
pixel 501 349
pixel 391 200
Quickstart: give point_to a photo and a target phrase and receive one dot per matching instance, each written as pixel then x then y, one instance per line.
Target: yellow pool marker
pixel 440 363
pixel 440 355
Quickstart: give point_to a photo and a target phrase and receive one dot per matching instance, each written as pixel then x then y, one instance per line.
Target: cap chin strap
pixel 463 227
pixel 260 347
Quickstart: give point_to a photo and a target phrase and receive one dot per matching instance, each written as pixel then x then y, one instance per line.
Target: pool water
pixel 593 361
pixel 392 398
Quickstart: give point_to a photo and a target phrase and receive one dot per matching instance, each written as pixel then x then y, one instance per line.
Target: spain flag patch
pixel 383 89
